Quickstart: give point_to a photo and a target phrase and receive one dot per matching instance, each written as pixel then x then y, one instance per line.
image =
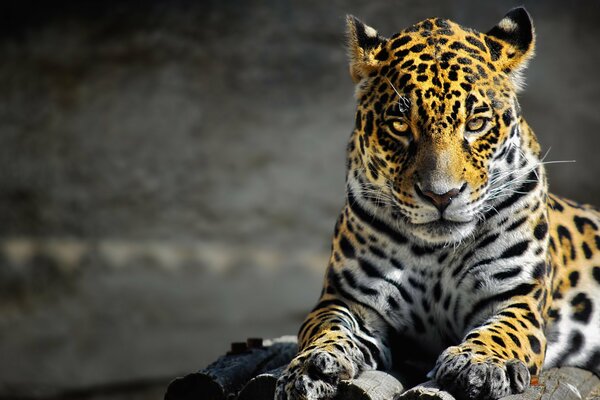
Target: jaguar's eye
pixel 476 125
pixel 399 129
pixel 399 125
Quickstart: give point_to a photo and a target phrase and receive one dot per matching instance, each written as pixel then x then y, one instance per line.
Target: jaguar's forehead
pixel 440 54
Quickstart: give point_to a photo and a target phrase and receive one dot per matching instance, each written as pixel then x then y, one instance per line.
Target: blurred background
pixel 170 172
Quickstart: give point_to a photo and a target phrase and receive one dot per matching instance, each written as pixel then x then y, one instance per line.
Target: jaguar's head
pixel 438 128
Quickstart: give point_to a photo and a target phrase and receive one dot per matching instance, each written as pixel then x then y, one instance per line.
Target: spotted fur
pixel 449 251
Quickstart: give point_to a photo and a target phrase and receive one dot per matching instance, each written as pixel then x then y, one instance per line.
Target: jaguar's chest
pixel 431 294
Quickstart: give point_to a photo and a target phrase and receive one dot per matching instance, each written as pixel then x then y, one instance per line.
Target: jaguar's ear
pixel 512 43
pixel 364 44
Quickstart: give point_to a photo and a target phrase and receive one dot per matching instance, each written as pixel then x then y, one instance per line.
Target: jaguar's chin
pixel 443 232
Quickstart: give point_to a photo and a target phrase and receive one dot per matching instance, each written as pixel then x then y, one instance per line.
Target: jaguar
pixel 450 255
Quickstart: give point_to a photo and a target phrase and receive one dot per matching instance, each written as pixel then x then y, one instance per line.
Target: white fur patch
pixel 370 32
pixel 508 25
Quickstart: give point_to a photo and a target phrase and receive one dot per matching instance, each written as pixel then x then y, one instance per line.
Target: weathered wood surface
pixel 555 384
pixel 261 387
pixel 225 377
pixel 425 391
pixel 250 372
pixel 370 385
pixel 565 383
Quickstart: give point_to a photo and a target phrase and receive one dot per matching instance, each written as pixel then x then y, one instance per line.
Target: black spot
pixel 407 64
pixel 382 55
pixel 369 123
pixel 515 250
pixel 427 25
pixel 465 86
pixel 596 274
pixel 507 117
pixel 535 344
pixel 419 250
pixel 517 224
pixel 587 252
pixel 373 170
pixel 539 270
pixel 417 48
pixel 507 274
pixel 377 251
pixel 514 338
pixel 510 156
pixel 583 308
pixel 563 233
pixel 540 230
pixel 346 247
pixel 442 23
pixel 446 304
pixel 532 319
pixel 447 56
pixel 367 291
pixel 472 335
pixel 498 339
pixel 574 278
pixel 581 222
pixel 396 264
pixel 445 32
pixel 556 206
pixel 401 41
pixel 359 238
pixel 369 269
pixel 442 257
pixel 453 76
pixel 349 277
pixel 405 295
pixel 393 303
pixel 437 292
pixel 416 284
pixel 475 42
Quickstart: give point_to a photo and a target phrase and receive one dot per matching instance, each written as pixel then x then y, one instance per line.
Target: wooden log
pixel 261 387
pixel 565 383
pixel 225 377
pixel 370 385
pixel 425 391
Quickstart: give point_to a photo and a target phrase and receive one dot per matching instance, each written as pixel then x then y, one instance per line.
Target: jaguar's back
pixel 573 321
pixel 449 245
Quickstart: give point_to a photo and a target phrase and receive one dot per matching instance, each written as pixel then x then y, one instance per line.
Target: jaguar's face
pixel 437 122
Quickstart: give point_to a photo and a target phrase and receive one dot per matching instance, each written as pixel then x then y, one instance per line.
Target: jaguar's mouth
pixel 443 231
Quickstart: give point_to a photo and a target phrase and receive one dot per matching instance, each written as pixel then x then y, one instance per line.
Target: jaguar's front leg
pixel 337 342
pixel 497 358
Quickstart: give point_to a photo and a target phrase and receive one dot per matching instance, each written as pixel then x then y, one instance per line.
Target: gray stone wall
pixel 170 172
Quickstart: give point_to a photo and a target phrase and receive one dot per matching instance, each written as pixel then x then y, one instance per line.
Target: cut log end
pixel 193 387
pixel 261 387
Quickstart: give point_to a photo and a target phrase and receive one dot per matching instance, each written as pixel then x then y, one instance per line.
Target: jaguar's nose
pixel 440 200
